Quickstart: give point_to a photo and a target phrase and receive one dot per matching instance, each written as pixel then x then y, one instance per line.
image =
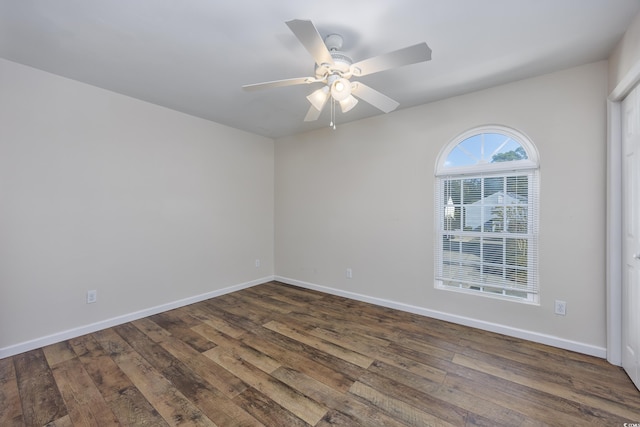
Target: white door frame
pixel 614 214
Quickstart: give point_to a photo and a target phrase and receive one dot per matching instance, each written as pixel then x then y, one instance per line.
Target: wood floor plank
pixel 338 419
pixel 371 384
pixel 62 422
pixel 413 365
pixel 428 348
pixel 398 408
pixel 174 322
pixel 348 369
pixel 84 402
pixel 597 386
pixel 41 399
pixel 263 303
pixel 555 389
pixel 215 386
pixel 279 355
pixel 206 397
pixel 331 376
pixel 535 406
pixel 325 346
pixel 154 331
pixel 58 353
pixel 340 333
pixel 172 405
pixel 214 374
pixel 347 410
pixel 234 305
pixel 310 387
pixel 403 376
pixel 268 411
pixel 236 320
pixel 358 321
pixel 210 317
pixel 239 349
pixel 123 397
pixel 287 397
pixel 10 405
pixel 475 403
pixel 291 293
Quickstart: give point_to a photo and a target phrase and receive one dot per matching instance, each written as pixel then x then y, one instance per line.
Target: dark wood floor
pixel 277 355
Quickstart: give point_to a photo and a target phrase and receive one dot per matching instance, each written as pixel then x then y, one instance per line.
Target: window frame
pixel 481 170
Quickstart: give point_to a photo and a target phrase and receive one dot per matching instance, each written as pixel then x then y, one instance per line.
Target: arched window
pixel 487 207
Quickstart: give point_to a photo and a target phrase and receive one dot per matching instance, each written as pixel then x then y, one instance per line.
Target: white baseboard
pixel 114 321
pixel 487 326
pixel 551 340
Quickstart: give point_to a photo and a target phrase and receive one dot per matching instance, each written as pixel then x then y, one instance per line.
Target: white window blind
pixel 487 238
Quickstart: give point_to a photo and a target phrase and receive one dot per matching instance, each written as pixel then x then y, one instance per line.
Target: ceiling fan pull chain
pixel 332 123
pixel 334 114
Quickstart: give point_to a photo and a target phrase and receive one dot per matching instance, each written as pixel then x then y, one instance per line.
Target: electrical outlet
pixel 561 308
pixel 257 263
pixel 92 296
pixel 349 273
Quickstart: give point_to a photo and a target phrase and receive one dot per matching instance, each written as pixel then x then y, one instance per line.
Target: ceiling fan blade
pixel 398 58
pixel 373 97
pixel 310 38
pixel 279 83
pixel 312 114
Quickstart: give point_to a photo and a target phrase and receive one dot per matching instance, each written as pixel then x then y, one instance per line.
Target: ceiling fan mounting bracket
pixel 333 42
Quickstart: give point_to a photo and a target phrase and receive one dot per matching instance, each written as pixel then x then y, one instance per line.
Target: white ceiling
pixel 194 55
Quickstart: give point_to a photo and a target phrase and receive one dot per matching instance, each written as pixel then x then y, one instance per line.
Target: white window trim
pixel 532 152
pixel 442 171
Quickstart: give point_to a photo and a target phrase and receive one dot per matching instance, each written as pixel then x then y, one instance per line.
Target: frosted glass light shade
pixel 348 103
pixel 319 97
pixel 341 89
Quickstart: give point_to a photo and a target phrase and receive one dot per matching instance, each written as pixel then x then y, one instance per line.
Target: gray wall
pixel 626 54
pixel 362 197
pixel 100 191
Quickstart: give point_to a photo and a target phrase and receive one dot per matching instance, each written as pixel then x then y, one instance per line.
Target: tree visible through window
pixel 487 210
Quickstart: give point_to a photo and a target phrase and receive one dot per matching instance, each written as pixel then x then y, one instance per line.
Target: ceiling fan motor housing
pixel 341 62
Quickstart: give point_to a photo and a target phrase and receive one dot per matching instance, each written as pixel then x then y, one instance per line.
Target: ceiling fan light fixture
pixel 319 98
pixel 341 89
pixel 334 68
pixel 348 104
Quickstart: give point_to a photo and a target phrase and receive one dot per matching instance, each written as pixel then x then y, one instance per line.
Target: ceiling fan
pixel 334 69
